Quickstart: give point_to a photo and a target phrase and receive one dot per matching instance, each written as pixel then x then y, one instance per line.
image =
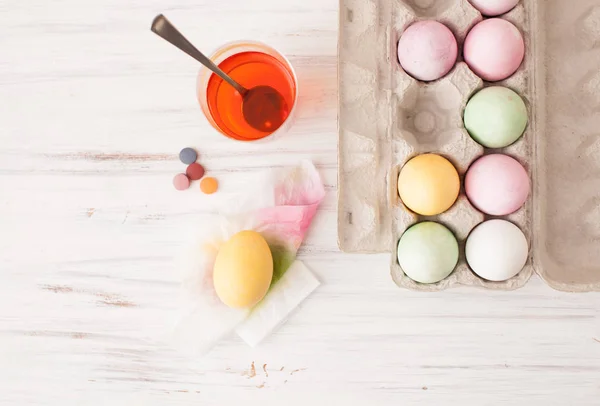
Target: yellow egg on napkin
pixel 243 270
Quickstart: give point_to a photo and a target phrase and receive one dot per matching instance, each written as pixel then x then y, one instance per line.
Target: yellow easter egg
pixel 243 270
pixel 428 184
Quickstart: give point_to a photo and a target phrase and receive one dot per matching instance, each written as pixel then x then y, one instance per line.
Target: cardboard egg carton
pixel 386 117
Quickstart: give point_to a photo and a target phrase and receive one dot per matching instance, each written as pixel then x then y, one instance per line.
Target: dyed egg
pixel 494 49
pixel 496 117
pixel 428 184
pixel 492 8
pixel 497 184
pixel 428 252
pixel 497 250
pixel 243 270
pixel 427 50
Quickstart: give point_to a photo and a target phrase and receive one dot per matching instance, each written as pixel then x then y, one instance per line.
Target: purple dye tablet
pixel 188 156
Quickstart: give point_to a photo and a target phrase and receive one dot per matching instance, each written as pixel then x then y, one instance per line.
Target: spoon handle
pixel 164 29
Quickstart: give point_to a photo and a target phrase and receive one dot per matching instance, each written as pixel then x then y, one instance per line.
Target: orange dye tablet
pixel 209 185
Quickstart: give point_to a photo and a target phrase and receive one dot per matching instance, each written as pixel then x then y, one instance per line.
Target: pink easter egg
pixel 494 49
pixel 492 8
pixel 427 50
pixel 497 184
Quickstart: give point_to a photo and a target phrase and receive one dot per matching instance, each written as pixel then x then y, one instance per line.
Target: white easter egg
pixel 497 250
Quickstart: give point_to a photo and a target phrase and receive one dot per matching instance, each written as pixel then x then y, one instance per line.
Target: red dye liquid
pixel 250 69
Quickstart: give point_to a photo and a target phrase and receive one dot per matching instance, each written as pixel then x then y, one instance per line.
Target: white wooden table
pixel 93 110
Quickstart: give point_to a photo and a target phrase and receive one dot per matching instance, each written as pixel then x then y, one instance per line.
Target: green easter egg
pixel 428 252
pixel 496 117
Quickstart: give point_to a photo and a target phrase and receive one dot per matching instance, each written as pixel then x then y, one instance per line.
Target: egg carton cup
pixel 386 118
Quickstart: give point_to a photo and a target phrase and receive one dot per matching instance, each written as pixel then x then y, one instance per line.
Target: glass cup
pixel 251 64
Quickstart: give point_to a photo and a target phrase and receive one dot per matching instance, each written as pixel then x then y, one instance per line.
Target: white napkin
pixel 281 212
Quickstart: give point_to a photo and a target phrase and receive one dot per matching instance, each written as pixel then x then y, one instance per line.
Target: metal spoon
pixel 263 107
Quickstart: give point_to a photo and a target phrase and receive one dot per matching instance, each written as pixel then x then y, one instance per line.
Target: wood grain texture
pixel 93 111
